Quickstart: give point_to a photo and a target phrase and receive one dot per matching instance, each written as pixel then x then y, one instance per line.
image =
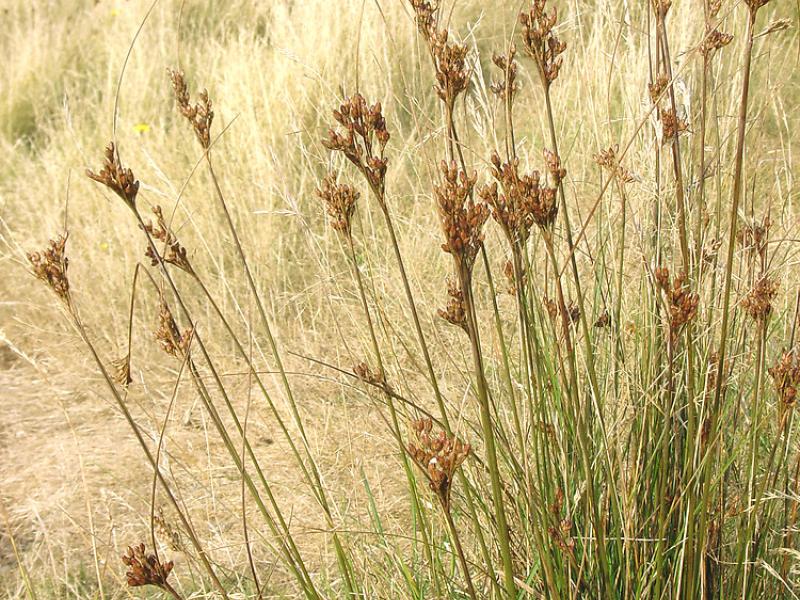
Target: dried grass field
pixel 399 299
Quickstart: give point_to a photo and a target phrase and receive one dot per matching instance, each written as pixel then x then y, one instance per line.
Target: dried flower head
pixel 362 129
pixel 173 253
pixel 507 87
pixel 713 41
pixel 786 378
pixel 462 218
pixel 455 313
pixel 439 456
pixel 672 124
pixel 115 177
pixel 754 237
pixel 758 302
pixel 121 371
pixel 608 160
pixel 169 336
pixel 50 265
pixel 540 40
pixel 604 320
pixel 553 163
pixel 145 569
pixel 340 199
pixel 200 115
pixel 657 88
pixel 681 302
pixel 756 4
pixel 363 371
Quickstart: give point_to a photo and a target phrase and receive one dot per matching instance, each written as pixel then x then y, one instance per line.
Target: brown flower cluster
pixel 540 40
pixel 50 265
pixel 672 124
pixel 145 569
pixel 455 313
pixel 340 200
pixel 681 302
pixel 462 218
pixel 174 253
pixel 439 456
pixel 756 4
pixel 168 336
pixel 573 313
pixel 608 160
pixel 115 177
pixel 363 128
pixel 506 87
pixel 363 371
pixel 758 302
pixel 200 115
pixel 754 237
pixel 713 41
pixel 121 371
pixel 786 378
pixel 561 535
pixel 449 58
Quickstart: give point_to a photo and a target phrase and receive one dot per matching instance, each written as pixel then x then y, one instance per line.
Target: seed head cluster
pixel 168 335
pixel 340 200
pixel 200 114
pixel 507 87
pixel 786 378
pixel 361 137
pixel 758 302
pixel 540 40
pixel 681 302
pixel 456 312
pixel 439 456
pixel 608 160
pixel 145 569
pixel 117 178
pixel 462 218
pixel 174 253
pixel 50 265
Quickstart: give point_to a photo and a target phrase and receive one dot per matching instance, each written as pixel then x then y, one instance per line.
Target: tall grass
pixel 603 405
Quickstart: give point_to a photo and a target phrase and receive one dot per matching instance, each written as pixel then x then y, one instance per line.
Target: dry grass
pixel 74 490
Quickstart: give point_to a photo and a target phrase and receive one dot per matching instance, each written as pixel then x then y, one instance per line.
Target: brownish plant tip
pixel 174 253
pixel 340 200
pixel 361 135
pixel 507 87
pixel 121 371
pixel 682 303
pixel 145 569
pixel 168 335
pixel 755 5
pixel 786 379
pixel 608 160
pixel 366 374
pixel 462 218
pixel 661 7
pixel 512 208
pixel 200 114
pixel 758 302
pixel 456 312
pixel 439 456
pixel 713 41
pixel 50 265
pixel 117 178
pixel 754 237
pixel 541 41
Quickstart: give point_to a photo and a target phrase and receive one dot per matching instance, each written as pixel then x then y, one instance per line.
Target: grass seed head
pixel 168 335
pixel 541 41
pixel 145 569
pixel 174 253
pixel 682 304
pixel 439 456
pixel 758 302
pixel 50 265
pixel 200 114
pixel 117 178
pixel 786 379
pixel 507 87
pixel 456 312
pixel 340 200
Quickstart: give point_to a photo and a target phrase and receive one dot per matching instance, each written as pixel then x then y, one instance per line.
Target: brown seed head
pixel 145 569
pixel 758 302
pixel 173 253
pixel 115 177
pixel 200 114
pixel 714 40
pixel 439 456
pixel 169 337
pixel 50 265
pixel 540 40
pixel 608 160
pixel 681 302
pixel 507 86
pixel 786 379
pixel 340 200
pixel 455 313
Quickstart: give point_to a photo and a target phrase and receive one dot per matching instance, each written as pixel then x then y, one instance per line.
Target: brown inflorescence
pixel 506 87
pixel 169 336
pixel 174 253
pixel 462 218
pixel 439 456
pixel 117 178
pixel 449 58
pixel 758 302
pixel 608 160
pixel 363 127
pixel 455 313
pixel 754 237
pixel 540 40
pixel 340 200
pixel 145 569
pixel 713 41
pixel 786 378
pixel 200 115
pixel 681 302
pixel 50 265
pixel 365 373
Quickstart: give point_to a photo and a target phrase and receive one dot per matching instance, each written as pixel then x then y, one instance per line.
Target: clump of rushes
pixel 146 569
